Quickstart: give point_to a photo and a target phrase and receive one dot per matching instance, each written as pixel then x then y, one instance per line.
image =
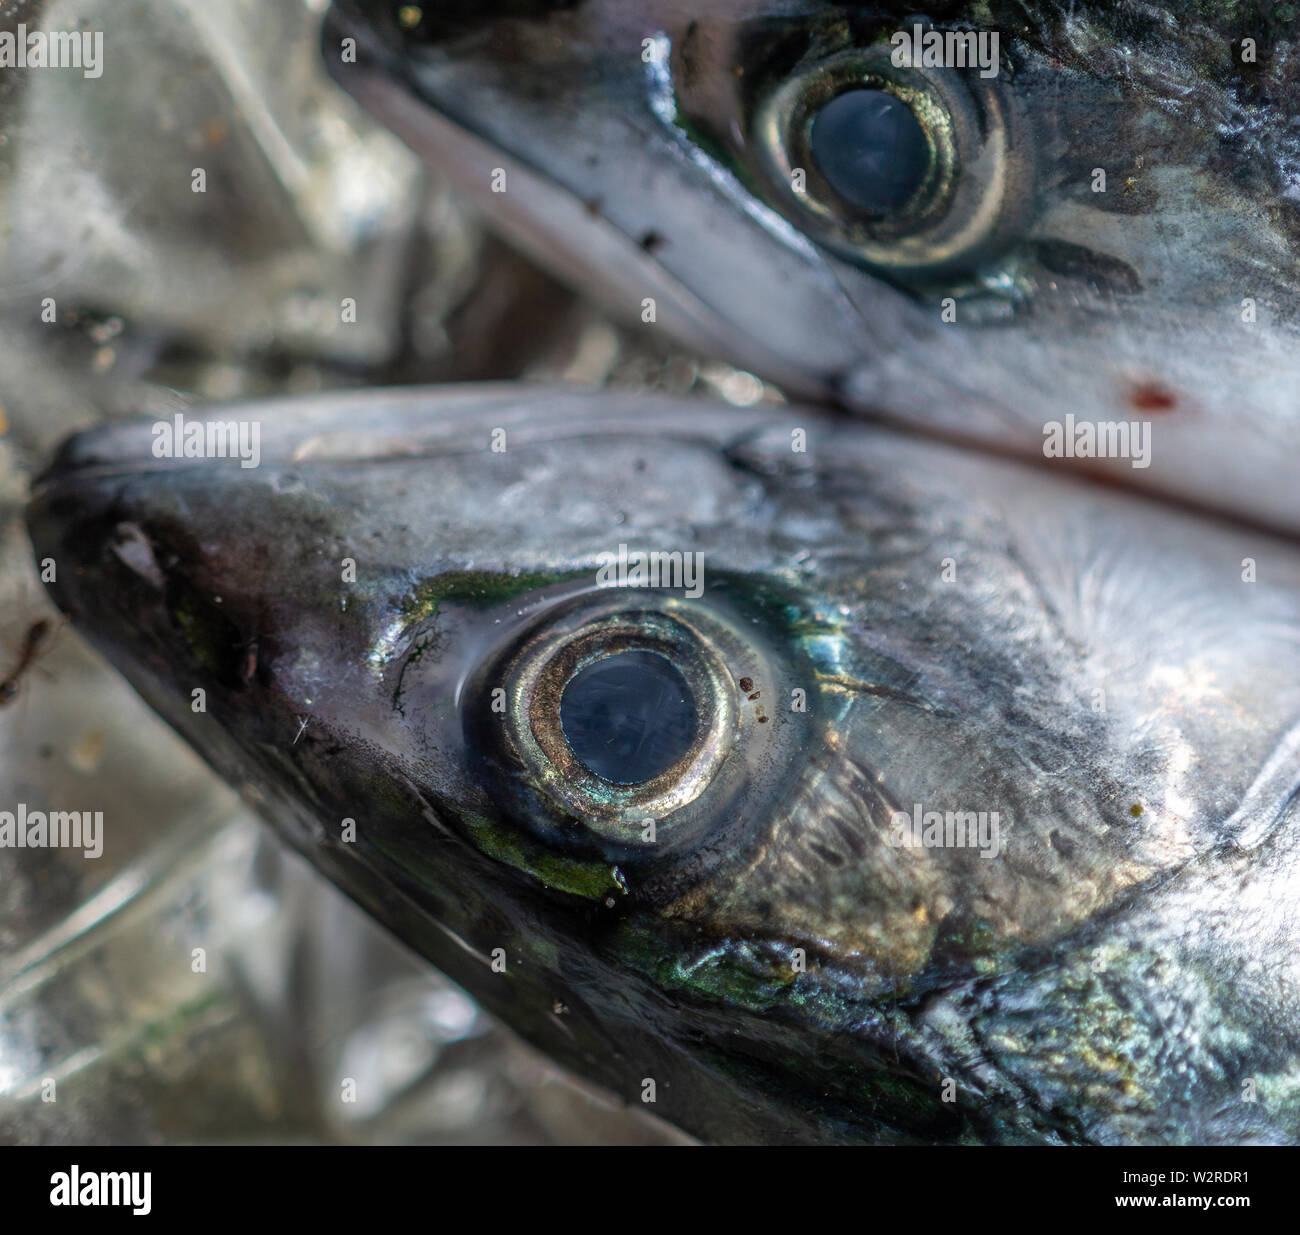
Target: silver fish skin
pixel 373 619
pixel 646 158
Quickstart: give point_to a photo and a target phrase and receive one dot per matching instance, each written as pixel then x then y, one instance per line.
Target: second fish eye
pixel 903 168
pixel 871 149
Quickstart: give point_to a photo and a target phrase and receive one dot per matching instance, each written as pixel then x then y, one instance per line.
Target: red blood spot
pixel 1152 397
pixel 746 684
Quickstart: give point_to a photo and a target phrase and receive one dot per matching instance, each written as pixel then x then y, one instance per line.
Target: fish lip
pixel 286 430
pixel 369 425
pixel 103 449
pixel 365 425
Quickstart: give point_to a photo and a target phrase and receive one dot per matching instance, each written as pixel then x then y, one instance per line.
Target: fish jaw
pixel 1164 304
pixel 777 961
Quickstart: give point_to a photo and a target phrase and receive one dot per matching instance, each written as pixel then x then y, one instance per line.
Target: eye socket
pixel 621 719
pixel 909 169
pixel 617 714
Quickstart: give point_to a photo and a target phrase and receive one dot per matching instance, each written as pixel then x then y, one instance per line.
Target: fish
pixel 958 798
pixel 1058 231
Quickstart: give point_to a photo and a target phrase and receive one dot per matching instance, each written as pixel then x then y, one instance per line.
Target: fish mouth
pixel 379 424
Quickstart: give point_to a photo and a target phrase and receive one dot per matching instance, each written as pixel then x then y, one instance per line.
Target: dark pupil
pixel 628 717
pixel 871 149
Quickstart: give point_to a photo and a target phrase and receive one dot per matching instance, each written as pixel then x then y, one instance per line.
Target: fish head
pixel 806 780
pixel 975 223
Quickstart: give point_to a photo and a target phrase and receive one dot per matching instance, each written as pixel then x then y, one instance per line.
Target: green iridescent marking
pixel 590 880
pixel 479 588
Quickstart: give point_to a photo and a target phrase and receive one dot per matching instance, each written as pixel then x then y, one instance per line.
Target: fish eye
pixel 628 727
pixel 628 717
pixel 620 719
pixel 870 148
pixel 904 168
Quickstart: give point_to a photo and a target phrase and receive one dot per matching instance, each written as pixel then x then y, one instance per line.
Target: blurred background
pixel 122 293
